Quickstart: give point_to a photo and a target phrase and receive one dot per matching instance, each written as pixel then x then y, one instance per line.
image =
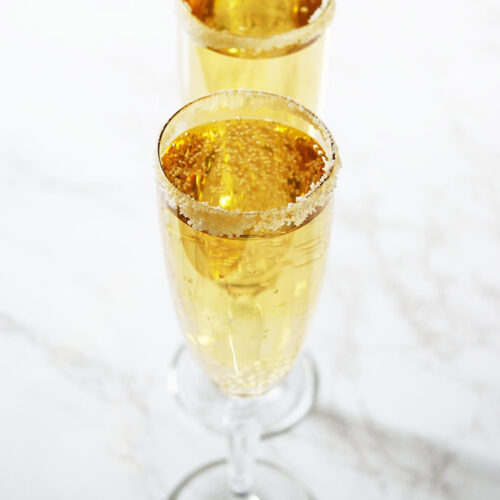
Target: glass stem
pixel 243 438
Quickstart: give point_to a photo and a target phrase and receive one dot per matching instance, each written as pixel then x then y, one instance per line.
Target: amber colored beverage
pixel 244 299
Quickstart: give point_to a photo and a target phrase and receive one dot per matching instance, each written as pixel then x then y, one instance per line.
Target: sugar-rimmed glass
pixel 248 50
pixel 302 225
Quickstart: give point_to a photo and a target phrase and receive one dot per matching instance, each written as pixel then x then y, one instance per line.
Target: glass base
pixel 210 483
pixel 276 411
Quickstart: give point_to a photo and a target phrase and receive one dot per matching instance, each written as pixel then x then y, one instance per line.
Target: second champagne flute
pixel 269 45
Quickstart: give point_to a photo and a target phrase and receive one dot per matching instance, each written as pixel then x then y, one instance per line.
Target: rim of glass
pixel 223 40
pixel 292 214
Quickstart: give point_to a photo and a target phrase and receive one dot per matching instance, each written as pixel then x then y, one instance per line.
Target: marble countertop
pixel 407 333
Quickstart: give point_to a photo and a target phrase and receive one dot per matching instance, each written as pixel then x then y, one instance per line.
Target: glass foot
pixel 210 483
pixel 276 411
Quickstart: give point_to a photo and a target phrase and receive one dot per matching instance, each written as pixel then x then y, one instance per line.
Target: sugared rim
pixel 222 222
pixel 276 44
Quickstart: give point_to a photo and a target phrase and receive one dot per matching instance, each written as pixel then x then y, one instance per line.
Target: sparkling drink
pixel 245 217
pixel 273 45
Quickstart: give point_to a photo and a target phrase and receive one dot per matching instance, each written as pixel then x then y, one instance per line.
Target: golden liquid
pixel 254 18
pixel 295 74
pixel 244 302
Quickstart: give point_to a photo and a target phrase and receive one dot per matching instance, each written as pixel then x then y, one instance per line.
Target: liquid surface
pixel 255 18
pixel 244 302
pixel 246 165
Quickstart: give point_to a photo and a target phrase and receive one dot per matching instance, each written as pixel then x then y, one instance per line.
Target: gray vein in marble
pixel 421 466
pixel 111 387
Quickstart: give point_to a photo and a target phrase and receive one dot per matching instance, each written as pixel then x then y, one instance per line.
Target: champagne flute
pixel 272 45
pixel 245 184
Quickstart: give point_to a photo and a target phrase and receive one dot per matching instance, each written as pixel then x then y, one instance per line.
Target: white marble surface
pixel 407 334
